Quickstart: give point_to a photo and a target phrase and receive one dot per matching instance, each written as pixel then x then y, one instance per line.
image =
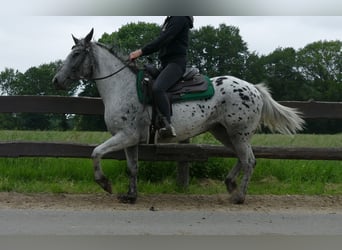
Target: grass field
pixel 60 175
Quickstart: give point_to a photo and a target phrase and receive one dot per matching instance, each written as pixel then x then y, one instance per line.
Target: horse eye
pixel 75 54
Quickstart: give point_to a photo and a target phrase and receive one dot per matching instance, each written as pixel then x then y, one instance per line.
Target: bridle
pixel 85 51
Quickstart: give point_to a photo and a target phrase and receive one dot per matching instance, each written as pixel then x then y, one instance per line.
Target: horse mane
pixel 118 53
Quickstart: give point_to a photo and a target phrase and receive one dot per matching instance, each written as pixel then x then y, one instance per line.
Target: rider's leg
pixel 166 79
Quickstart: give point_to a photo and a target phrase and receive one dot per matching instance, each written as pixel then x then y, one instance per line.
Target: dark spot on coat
pixel 244 97
pixel 219 81
pixel 245 104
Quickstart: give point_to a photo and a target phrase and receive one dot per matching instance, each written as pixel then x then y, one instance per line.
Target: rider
pixel 172 44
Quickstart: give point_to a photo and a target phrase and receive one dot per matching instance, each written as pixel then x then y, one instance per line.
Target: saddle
pixel 192 86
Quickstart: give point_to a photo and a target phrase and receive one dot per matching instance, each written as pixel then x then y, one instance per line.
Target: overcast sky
pixel 27 41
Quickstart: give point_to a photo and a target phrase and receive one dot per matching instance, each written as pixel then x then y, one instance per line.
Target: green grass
pixel 62 175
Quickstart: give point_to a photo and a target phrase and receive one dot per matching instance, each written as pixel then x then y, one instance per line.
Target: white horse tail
pixel 277 117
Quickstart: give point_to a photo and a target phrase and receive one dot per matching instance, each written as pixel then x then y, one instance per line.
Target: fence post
pixel 183 171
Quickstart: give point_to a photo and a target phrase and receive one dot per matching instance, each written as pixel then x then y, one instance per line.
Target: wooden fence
pixel 172 152
pixel 94 106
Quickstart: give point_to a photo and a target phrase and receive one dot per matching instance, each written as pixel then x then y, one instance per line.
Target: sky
pixel 27 40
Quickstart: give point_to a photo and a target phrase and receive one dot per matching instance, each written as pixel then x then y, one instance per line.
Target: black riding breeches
pixel 169 76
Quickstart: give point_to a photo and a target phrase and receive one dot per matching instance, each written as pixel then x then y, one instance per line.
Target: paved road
pixel 104 222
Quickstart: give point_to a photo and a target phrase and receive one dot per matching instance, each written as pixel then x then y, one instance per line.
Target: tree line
pixel 309 73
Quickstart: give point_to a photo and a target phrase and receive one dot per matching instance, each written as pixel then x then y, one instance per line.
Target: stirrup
pixel 167 132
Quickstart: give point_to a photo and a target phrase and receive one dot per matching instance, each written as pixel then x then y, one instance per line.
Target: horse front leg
pixel 99 177
pixel 115 143
pixel 132 165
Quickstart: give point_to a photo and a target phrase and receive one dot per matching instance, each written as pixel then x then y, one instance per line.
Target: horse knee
pixel 96 154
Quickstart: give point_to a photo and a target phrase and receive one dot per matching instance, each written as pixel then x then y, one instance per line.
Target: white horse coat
pixel 232 115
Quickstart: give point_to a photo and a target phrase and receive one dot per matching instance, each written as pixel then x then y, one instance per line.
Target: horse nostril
pixel 58 84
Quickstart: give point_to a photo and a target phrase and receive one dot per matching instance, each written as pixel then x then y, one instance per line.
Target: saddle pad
pixel 191 91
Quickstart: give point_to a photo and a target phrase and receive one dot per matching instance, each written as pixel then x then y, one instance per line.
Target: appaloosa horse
pixel 232 115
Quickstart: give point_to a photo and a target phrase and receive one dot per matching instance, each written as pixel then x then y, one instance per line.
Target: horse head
pixel 78 64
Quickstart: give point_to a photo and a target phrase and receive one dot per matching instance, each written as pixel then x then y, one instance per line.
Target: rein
pixel 112 74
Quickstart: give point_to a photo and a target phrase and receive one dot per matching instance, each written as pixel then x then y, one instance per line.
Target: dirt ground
pixel 262 203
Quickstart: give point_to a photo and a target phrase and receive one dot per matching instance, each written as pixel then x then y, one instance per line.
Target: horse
pixel 232 115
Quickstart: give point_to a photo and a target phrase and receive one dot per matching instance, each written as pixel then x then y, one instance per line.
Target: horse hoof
pixel 127 198
pixel 230 185
pixel 237 198
pixel 105 184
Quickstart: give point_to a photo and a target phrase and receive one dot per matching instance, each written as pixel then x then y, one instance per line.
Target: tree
pixel 218 51
pixel 281 75
pixel 254 69
pixel 131 37
pixel 35 81
pixel 320 64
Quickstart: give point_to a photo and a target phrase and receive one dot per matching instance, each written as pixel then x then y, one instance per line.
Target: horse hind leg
pixel 247 163
pixel 230 180
pixel 220 133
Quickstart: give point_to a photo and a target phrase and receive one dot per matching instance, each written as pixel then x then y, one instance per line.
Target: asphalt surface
pixel 104 222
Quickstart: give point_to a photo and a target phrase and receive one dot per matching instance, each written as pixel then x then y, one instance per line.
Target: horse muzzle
pixel 59 85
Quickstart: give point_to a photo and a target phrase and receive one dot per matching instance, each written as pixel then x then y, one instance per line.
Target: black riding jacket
pixel 173 40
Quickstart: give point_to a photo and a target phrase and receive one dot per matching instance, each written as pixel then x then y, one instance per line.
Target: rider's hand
pixel 135 54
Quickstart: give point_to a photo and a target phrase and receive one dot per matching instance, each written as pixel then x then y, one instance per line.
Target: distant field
pixel 60 175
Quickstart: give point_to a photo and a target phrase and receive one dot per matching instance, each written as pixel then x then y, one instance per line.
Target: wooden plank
pixel 164 152
pixel 314 110
pixel 71 150
pixel 51 104
pixel 300 153
pixel 94 106
pixel 42 149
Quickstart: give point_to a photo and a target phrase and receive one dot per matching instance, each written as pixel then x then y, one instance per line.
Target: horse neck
pixel 118 86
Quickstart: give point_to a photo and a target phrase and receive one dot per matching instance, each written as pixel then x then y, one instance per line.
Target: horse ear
pixel 89 36
pixel 75 39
